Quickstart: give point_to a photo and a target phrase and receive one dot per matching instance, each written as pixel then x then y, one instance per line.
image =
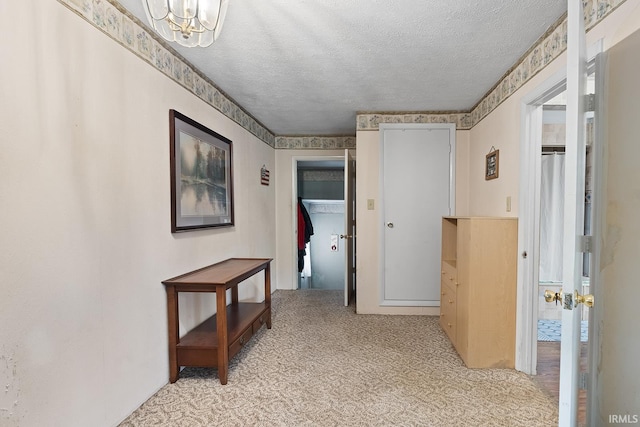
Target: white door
pixel 575 160
pixel 349 229
pixel 417 170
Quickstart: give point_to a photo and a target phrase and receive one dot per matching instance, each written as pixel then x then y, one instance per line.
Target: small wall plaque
pixel 492 164
pixel 264 176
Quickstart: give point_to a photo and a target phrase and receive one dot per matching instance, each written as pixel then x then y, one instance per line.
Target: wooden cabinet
pixel 478 289
pixel 216 340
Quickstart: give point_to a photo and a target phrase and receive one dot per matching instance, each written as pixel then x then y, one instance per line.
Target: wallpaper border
pixel 316 142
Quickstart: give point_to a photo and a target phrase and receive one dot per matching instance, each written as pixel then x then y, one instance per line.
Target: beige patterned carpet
pixel 323 365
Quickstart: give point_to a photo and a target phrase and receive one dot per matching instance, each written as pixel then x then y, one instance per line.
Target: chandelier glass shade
pixel 189 23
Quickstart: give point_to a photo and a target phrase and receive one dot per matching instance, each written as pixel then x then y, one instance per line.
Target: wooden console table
pixel 220 337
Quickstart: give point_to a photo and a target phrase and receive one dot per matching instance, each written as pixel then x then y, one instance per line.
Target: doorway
pixel 540 320
pixel 551 232
pixel 322 203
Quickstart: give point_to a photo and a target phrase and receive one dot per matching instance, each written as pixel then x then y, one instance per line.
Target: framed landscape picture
pixel 201 176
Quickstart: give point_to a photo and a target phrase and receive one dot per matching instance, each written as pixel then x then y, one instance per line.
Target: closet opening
pixel 320 223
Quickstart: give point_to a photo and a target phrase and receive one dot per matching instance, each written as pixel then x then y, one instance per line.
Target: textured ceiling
pixel 305 67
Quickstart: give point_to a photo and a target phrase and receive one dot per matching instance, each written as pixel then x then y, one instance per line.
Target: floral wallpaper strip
pixel 316 142
pixel 117 23
pixel 370 121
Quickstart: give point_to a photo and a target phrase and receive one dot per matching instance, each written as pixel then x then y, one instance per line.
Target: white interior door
pixel 349 230
pixel 417 191
pixel 573 215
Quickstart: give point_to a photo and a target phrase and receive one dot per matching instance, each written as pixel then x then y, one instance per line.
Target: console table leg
pixel 267 292
pixel 172 315
pixel 223 343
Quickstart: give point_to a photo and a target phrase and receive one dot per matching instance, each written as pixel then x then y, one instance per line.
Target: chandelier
pixel 189 23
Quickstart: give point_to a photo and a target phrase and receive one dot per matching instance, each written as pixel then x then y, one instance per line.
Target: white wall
pixel 286 252
pixel 85 221
pixel 368 221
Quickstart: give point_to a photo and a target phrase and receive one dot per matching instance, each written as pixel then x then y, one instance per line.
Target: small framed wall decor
pixel 492 164
pixel 264 175
pixel 201 176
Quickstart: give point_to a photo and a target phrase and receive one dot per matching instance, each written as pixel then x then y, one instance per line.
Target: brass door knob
pixel 584 299
pixel 550 296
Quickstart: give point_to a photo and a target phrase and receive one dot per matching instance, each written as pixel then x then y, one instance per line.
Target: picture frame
pixel 201 176
pixel 492 165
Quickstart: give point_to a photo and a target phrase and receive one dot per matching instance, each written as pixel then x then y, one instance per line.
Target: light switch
pixel 370 204
pixel 508 203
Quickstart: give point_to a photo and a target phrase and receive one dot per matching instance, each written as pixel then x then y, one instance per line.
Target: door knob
pixel 390 224
pixel 552 296
pixel 345 236
pixel 584 299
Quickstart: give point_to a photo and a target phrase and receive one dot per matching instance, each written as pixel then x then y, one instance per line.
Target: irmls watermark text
pixel 624 419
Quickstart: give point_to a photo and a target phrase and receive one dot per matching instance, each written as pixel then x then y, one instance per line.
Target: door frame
pixel 529 225
pixel 381 213
pixel 529 219
pixel 294 206
pixel 349 226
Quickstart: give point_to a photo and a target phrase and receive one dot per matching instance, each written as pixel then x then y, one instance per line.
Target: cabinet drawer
pixel 259 322
pixel 449 274
pixel 237 345
pixel 448 309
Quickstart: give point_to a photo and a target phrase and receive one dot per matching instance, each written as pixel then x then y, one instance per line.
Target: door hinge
pixel 590 102
pixel 583 380
pixel 585 243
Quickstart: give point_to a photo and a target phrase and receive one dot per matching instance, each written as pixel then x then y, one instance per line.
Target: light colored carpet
pixel 323 365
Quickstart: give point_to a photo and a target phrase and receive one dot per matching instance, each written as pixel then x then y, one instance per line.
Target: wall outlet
pixel 508 203
pixel 370 204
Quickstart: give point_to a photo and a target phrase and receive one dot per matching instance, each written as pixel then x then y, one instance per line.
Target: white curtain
pixel 551 217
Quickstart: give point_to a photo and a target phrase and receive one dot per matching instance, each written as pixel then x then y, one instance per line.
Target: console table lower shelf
pixel 199 347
